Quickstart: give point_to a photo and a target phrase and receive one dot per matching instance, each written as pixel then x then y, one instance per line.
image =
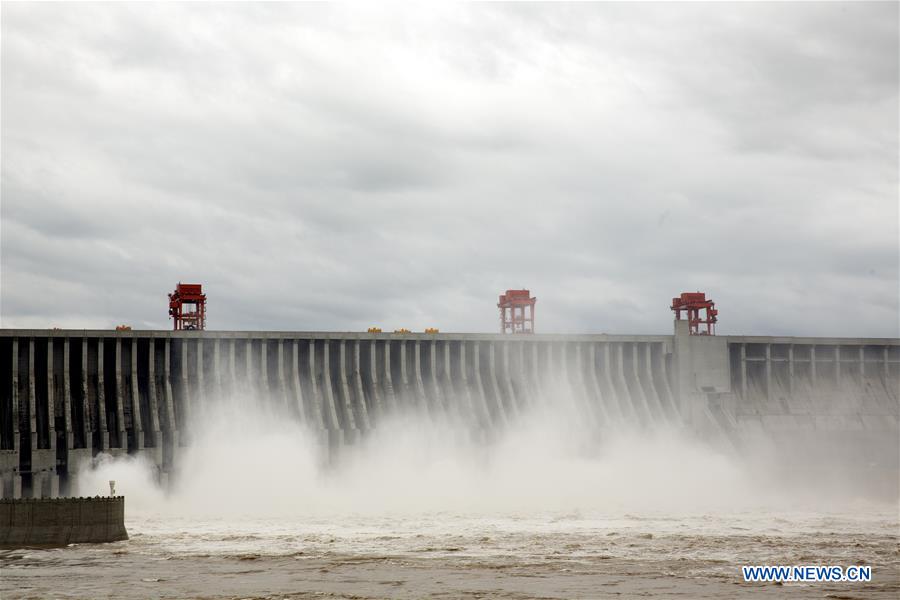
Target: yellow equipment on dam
pixel 67 395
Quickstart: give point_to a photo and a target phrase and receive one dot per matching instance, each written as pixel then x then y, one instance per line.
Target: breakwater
pixel 61 521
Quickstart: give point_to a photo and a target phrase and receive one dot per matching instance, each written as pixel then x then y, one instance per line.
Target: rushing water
pixel 445 555
pixel 546 510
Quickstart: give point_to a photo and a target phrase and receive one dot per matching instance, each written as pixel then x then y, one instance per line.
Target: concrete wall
pixel 61 521
pixel 66 396
pixel 821 401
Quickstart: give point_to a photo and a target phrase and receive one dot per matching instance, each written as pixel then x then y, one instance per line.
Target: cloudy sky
pixel 336 167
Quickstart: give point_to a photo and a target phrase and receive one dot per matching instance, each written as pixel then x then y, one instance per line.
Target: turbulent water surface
pixel 546 510
pixel 444 555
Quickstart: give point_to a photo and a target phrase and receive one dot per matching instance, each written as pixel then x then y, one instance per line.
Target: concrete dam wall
pixel 68 395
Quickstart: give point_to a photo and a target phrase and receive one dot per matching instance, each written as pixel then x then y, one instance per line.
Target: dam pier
pixel 69 395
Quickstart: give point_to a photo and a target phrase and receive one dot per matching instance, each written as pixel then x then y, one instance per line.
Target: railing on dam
pixel 68 395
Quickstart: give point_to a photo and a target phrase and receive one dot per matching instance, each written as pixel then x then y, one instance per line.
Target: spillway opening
pixel 813 412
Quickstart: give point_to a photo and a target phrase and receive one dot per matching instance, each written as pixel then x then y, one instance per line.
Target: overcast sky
pixel 336 167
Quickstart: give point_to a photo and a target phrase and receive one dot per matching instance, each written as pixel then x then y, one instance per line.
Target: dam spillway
pixel 68 395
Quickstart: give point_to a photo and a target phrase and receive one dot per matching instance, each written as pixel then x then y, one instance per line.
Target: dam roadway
pixel 68 395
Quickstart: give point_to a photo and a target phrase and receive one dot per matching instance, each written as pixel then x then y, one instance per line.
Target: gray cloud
pixel 325 167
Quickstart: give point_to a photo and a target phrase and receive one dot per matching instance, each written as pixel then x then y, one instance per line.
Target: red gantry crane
pixel 516 311
pixel 187 305
pixel 692 303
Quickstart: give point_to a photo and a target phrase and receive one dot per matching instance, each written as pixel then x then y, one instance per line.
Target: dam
pixel 68 395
